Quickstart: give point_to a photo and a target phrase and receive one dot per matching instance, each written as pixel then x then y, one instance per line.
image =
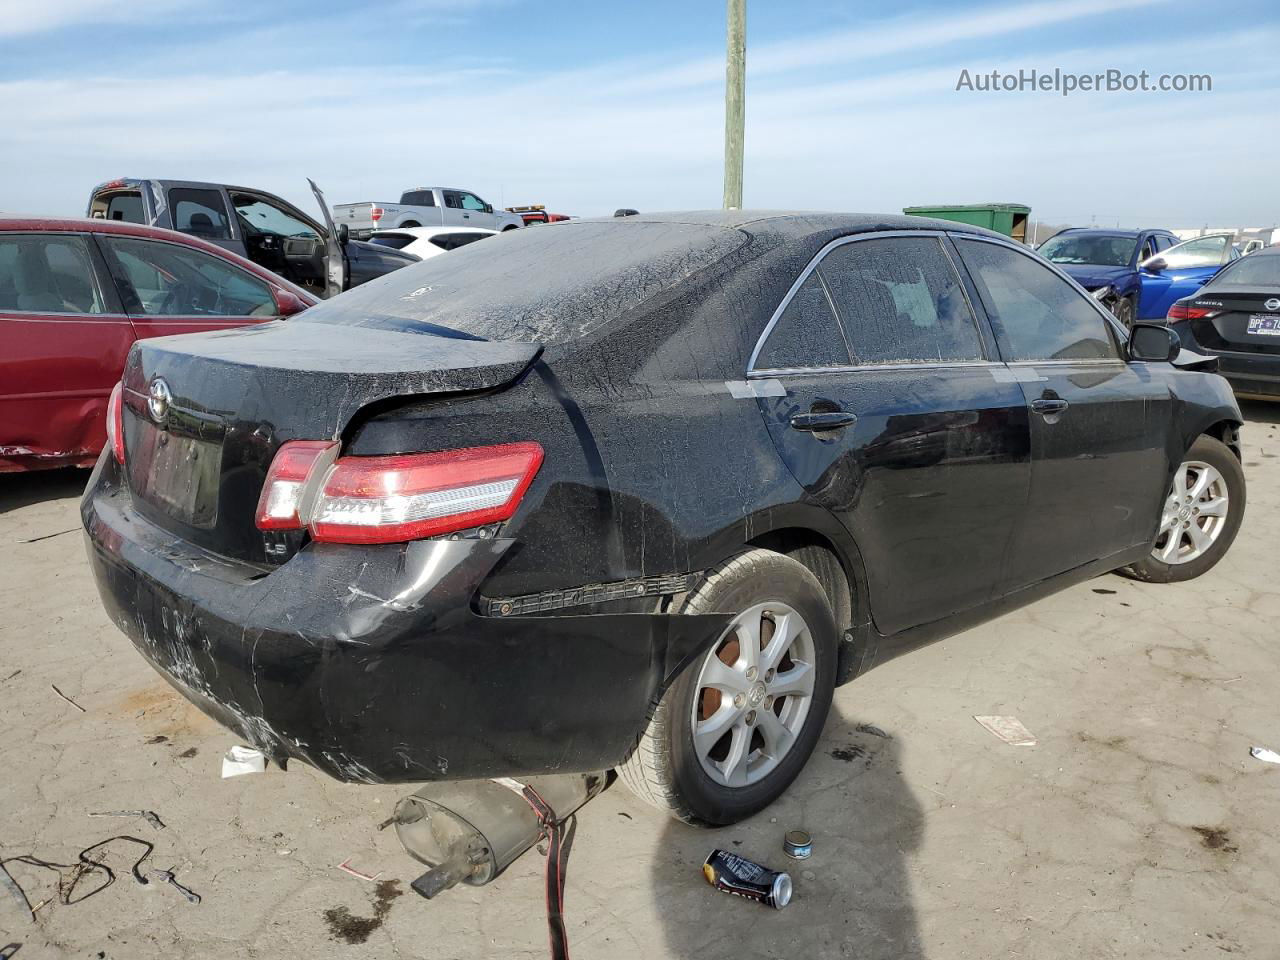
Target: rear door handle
pixel 818 422
pixel 1047 405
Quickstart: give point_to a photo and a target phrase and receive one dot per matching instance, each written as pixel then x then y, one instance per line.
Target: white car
pixel 427 242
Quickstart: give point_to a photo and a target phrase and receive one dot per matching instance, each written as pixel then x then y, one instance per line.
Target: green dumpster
pixel 1007 218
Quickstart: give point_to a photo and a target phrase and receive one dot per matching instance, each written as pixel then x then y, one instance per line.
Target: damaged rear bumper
pixel 372 663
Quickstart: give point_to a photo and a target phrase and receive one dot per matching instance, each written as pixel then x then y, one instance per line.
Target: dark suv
pixel 1105 262
pixel 638 493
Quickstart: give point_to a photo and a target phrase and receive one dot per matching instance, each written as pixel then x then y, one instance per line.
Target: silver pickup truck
pixel 424 207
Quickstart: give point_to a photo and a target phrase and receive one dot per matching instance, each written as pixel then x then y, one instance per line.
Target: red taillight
pixel 280 506
pixel 375 214
pixel 410 496
pixel 392 499
pixel 115 422
pixel 1182 312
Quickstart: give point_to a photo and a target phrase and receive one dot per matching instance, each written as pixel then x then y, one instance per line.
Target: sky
pixel 590 106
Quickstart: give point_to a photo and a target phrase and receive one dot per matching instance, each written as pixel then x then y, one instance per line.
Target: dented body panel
pixel 539 645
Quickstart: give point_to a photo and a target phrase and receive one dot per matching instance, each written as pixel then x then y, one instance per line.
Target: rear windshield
pixel 1252 271
pixel 396 241
pixel 546 286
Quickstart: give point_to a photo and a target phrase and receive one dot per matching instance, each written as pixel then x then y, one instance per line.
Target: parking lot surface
pixel 1137 826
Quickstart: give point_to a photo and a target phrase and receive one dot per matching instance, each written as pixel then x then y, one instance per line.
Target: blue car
pixel 1180 271
pixel 1107 263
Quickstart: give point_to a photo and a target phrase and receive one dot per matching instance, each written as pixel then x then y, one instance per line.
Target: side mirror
pixel 344 234
pixel 488 208
pixel 1155 265
pixel 287 304
pixel 1154 343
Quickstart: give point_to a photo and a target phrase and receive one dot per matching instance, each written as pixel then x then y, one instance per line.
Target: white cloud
pixel 21 17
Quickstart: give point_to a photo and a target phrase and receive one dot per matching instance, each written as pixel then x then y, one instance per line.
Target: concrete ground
pixel 1138 826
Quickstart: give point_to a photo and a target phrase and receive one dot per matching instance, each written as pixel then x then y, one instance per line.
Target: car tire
pixel 1126 312
pixel 752 762
pixel 1211 461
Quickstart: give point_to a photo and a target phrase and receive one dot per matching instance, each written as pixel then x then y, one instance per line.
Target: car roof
pixel 19 223
pixel 1104 231
pixel 794 224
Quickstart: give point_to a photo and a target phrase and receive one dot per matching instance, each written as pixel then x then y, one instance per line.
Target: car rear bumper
pixel 371 663
pixel 1249 373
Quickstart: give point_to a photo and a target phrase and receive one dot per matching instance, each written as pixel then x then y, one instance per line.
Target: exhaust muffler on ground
pixel 470 831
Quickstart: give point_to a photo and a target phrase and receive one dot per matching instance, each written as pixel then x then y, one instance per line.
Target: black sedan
pixel 638 493
pixel 1236 318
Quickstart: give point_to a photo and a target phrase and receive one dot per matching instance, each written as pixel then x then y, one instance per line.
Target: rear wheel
pixel 1200 517
pixel 738 725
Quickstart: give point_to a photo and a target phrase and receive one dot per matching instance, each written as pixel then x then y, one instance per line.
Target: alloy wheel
pixel 1194 515
pixel 753 694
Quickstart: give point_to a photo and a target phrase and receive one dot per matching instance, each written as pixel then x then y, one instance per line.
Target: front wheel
pixel 1125 312
pixel 1200 517
pixel 737 726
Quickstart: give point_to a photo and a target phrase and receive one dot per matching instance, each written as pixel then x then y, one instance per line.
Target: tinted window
pixel 462 239
pixel 901 301
pixel 1252 271
pixel 807 334
pixel 47 274
pixel 418 198
pixel 169 280
pixel 126 207
pixel 199 213
pixel 396 241
pixel 1035 313
pixel 1201 252
pixel 453 199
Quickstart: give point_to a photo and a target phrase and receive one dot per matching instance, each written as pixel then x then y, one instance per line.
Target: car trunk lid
pixel 205 413
pixel 1243 321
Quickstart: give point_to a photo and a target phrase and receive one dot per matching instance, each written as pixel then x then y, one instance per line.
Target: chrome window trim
pixel 767 373
pixel 813 265
pixel 1119 334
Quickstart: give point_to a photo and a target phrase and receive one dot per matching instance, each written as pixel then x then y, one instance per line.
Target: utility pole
pixel 735 104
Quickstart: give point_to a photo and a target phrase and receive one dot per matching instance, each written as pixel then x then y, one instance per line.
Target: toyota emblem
pixel 158 399
pixel 1273 303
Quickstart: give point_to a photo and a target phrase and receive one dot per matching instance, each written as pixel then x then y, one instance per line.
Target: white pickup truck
pixel 424 207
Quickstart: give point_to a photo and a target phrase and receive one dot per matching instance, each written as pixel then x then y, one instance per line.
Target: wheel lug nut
pixel 751 717
pixel 768 702
pixel 739 700
pixel 752 673
pixel 769 675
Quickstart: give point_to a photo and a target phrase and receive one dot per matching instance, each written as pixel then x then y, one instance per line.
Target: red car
pixel 75 294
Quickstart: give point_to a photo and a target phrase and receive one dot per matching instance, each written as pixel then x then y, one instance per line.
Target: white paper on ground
pixel 1267 756
pixel 241 760
pixel 1009 729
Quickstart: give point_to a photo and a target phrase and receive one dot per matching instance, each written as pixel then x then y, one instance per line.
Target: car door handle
pixel 818 422
pixel 1048 405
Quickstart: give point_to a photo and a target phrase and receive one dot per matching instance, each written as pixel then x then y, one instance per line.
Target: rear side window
pixel 901 301
pixel 165 279
pixel 1036 314
pixel 807 334
pixel 200 213
pixel 47 274
pixel 396 241
pixel 126 207
pixel 418 198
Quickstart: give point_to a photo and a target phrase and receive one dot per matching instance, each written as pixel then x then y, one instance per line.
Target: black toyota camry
pixel 638 493
pixel 1236 318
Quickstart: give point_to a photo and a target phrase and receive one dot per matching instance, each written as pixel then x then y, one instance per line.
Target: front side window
pixel 1035 313
pixel 807 333
pixel 200 213
pixel 1101 250
pixel 1200 252
pixel 471 202
pixel 47 274
pixel 262 216
pixel 900 301
pixel 169 280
